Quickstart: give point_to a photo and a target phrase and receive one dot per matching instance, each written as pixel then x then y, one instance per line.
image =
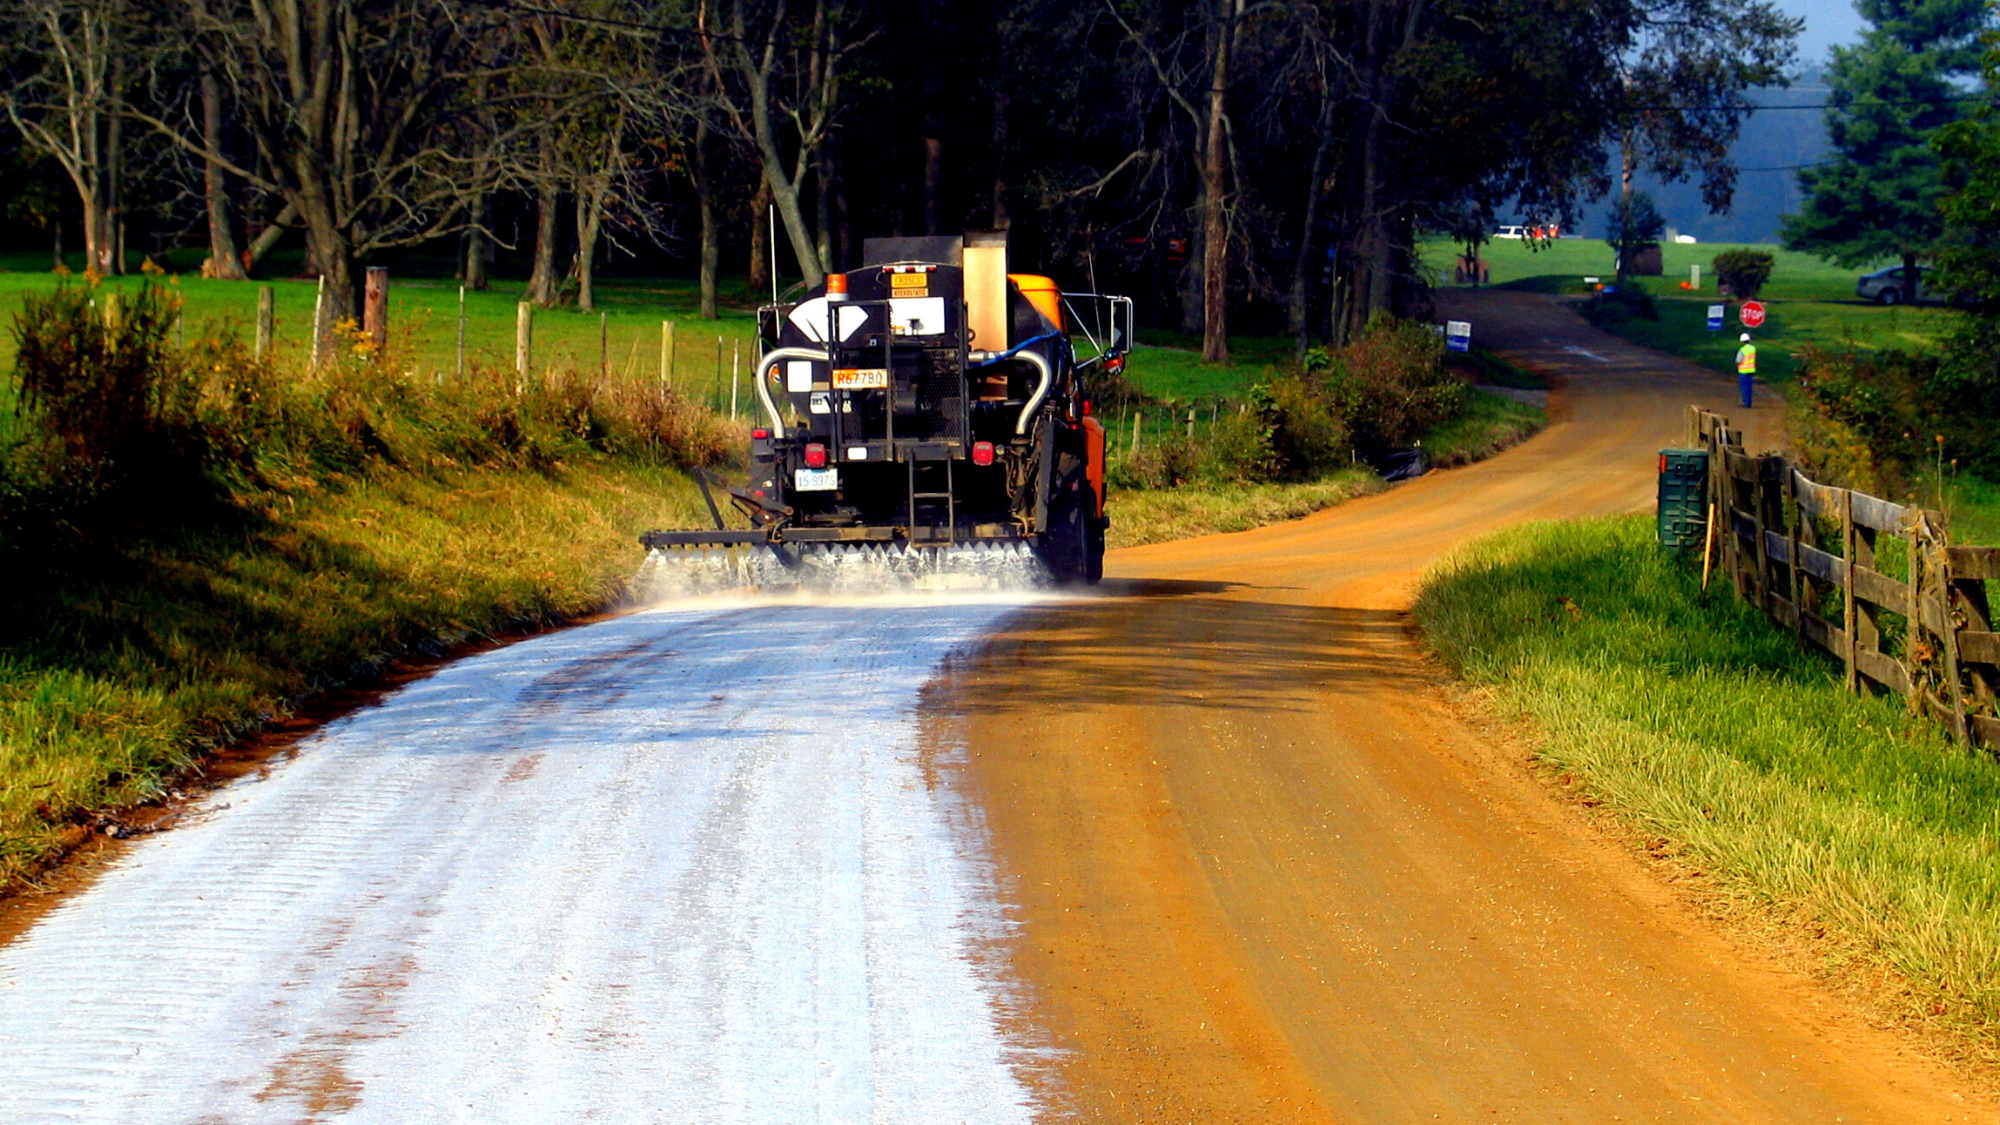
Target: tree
pixel 1682 91
pixel 1635 225
pixel 349 106
pixel 73 60
pixel 1743 271
pixel 1969 256
pixel 1891 94
pixel 779 86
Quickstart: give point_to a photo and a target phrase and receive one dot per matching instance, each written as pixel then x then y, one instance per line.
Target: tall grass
pixel 1695 719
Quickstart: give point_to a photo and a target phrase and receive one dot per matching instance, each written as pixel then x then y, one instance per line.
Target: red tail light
pixel 760 433
pixel 982 453
pixel 1086 408
pixel 815 456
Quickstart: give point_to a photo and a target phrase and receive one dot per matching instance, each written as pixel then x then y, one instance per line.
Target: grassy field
pixel 423 324
pixel 1707 729
pixel 1810 301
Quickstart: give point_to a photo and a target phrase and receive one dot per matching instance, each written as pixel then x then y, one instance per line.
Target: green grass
pixel 423 323
pixel 1489 424
pixel 162 648
pixel 1811 303
pixel 1167 366
pixel 1141 516
pixel 1700 723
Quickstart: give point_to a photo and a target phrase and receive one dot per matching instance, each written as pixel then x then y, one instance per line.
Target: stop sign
pixel 1752 314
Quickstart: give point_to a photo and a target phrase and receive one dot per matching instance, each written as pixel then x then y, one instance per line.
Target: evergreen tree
pixel 1891 93
pixel 1970 255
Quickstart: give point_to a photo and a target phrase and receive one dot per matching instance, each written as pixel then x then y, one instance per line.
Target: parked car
pixel 1885 286
pixel 1515 233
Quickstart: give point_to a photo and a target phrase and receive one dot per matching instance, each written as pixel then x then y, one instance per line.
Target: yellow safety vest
pixel 1746 360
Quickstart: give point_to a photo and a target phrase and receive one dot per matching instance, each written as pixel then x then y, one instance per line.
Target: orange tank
pixel 1041 292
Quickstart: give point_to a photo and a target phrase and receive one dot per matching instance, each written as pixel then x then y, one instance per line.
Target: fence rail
pixel 1795 548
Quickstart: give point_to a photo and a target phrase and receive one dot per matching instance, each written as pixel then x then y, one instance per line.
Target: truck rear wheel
pixel 1064 544
pixel 1093 539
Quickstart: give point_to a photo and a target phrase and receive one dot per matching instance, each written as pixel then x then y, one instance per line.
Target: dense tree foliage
pixel 1892 93
pixel 1273 161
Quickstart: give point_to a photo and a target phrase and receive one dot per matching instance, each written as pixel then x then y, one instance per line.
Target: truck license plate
pixel 860 378
pixel 815 480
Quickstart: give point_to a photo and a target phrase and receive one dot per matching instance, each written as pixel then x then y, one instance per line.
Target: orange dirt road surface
pixel 1266 871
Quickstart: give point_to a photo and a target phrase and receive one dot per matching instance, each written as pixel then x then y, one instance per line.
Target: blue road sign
pixel 1458 335
pixel 1715 318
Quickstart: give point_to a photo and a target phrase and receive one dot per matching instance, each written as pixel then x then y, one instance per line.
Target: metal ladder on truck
pixel 933 499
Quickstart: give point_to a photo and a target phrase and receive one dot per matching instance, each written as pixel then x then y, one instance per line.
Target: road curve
pixel 1267 871
pixel 678 867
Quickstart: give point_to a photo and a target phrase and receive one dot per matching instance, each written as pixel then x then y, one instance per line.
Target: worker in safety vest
pixel 1746 369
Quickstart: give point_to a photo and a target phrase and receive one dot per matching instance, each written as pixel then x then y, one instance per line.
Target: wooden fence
pixel 1796 548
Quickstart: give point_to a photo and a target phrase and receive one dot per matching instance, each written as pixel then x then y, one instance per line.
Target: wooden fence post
pixel 1913 624
pixel 1795 519
pixel 461 332
pixel 265 316
pixel 666 355
pixel 524 340
pixel 1937 565
pixel 1850 544
pixel 375 307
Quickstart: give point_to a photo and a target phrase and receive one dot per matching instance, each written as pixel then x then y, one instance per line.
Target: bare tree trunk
pixel 589 213
pixel 328 249
pixel 1911 276
pixel 269 236
pixel 542 284
pixel 114 160
pixel 933 173
pixel 1000 101
pixel 55 224
pixel 823 210
pixel 783 188
pixel 1295 306
pixel 476 247
pixel 1625 163
pixel 760 237
pixel 227 265
pixel 1214 222
pixel 844 221
pixel 711 232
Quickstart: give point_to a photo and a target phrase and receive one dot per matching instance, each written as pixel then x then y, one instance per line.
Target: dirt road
pixel 679 867
pixel 1222 852
pixel 1267 872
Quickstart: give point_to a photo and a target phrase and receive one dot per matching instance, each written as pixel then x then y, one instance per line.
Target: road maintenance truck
pixel 928 401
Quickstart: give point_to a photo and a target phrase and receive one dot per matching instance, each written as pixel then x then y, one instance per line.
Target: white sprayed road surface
pixel 681 866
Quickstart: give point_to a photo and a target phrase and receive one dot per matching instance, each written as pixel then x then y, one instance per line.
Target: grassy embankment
pixel 1866 833
pixel 379 511
pixel 1168 370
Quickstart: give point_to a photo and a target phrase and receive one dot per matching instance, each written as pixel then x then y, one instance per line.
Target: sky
pixel 1828 22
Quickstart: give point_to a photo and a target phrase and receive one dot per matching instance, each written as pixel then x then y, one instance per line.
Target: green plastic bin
pixel 1683 516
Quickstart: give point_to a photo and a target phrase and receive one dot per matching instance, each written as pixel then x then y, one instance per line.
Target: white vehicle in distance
pixel 1515 233
pixel 1885 286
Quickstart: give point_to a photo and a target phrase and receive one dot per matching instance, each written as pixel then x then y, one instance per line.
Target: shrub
pixel 1620 304
pixel 1398 383
pixel 1744 271
pixel 1305 420
pixel 1879 420
pixel 104 384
